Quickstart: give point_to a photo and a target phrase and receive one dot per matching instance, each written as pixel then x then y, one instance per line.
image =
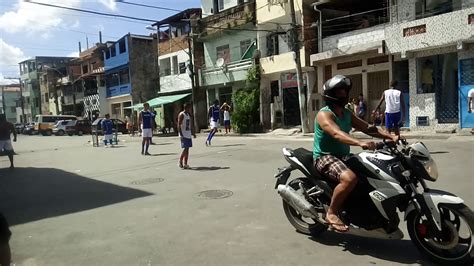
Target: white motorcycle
pixel 390 178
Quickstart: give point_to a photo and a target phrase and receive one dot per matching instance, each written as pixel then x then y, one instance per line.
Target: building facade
pixel 279 86
pixel 176 50
pixel 130 73
pixel 32 73
pixel 439 58
pixel 373 43
pixel 228 33
pixel 9 97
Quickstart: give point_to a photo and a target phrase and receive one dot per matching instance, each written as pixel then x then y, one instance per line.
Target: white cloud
pixel 73 54
pixel 110 4
pixel 29 18
pixel 10 55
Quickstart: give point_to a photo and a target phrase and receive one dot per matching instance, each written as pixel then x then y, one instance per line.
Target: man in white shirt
pixel 394 108
pixel 470 103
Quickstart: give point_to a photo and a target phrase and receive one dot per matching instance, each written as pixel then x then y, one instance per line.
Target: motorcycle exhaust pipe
pixel 297 201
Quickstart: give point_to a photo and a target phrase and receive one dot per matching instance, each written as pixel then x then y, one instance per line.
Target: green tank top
pixel 325 144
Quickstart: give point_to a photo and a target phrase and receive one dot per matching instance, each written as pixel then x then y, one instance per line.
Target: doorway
pixel 378 82
pixel 291 107
pixel 466 83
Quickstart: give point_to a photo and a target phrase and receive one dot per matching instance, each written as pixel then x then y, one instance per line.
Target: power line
pixel 91 12
pixel 143 5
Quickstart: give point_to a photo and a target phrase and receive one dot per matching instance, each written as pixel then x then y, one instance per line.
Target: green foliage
pixel 246 116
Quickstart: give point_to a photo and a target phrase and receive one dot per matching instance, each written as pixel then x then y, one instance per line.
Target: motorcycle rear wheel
pixel 303 225
pixel 456 245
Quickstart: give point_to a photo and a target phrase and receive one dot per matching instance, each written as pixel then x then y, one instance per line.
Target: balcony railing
pixel 227 19
pixel 233 66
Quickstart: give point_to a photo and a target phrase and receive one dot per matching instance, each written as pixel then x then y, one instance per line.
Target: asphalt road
pixel 73 204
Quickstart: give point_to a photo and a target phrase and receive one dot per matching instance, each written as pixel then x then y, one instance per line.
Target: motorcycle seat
pixel 306 158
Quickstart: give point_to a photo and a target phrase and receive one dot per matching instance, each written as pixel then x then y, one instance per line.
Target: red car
pixel 79 128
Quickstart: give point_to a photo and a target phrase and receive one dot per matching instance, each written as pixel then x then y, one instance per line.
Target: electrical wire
pixel 91 11
pixel 143 5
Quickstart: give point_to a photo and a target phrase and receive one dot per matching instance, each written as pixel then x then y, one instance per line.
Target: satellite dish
pixel 220 62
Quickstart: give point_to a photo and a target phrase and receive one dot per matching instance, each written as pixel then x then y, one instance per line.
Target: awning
pixel 166 99
pixel 135 107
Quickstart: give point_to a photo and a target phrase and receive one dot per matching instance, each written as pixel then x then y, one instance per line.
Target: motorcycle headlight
pixel 431 169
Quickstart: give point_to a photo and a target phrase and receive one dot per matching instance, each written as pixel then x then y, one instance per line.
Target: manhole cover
pixel 215 194
pixel 147 181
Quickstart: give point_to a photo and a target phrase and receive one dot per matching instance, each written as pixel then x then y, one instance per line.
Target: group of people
pixel 394 110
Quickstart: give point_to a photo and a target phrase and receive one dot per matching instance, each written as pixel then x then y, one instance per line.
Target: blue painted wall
pixel 120 58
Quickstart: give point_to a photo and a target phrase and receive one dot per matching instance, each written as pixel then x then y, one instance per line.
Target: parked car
pixel 19 128
pixel 62 126
pixel 44 123
pixel 119 126
pixel 29 129
pixel 80 127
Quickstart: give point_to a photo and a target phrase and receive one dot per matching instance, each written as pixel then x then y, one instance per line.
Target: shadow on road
pixel 208 168
pixel 164 154
pixel 163 143
pixel 31 194
pixel 398 251
pixel 438 152
pixel 229 145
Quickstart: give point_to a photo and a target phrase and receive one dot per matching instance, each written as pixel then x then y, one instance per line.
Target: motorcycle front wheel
pixel 455 246
pixel 302 224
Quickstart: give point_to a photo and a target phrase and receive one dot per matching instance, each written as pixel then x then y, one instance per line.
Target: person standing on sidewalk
pixel 6 129
pixel 470 103
pixel 361 107
pixel 213 115
pixel 108 129
pixel 226 110
pixel 394 108
pixel 145 120
pixel 186 132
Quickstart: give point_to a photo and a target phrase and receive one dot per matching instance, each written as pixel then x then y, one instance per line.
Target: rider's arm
pixel 326 122
pixel 363 126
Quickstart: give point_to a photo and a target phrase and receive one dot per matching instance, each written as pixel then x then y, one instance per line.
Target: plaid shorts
pixel 330 166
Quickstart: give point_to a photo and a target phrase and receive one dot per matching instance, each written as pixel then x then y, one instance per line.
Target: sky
pixel 28 30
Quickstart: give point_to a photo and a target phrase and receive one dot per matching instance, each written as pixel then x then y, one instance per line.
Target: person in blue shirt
pixel 108 129
pixel 213 115
pixel 145 119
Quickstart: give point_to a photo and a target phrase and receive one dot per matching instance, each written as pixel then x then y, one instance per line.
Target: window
pixel 426 8
pixel 124 77
pixel 221 5
pixel 113 51
pixel 85 69
pixel 182 68
pixel 13 109
pixel 224 53
pixel 165 67
pixel 46 97
pixel 107 54
pixel 272 45
pixel 244 46
pixel 122 47
pixel 175 65
pixel 112 80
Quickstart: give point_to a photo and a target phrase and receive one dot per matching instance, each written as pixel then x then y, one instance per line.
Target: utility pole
pixel 191 75
pixel 299 75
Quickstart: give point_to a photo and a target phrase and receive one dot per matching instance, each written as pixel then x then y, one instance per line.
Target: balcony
pixel 120 90
pixel 232 72
pixel 230 18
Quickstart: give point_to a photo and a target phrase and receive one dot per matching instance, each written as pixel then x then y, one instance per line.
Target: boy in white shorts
pixel 145 119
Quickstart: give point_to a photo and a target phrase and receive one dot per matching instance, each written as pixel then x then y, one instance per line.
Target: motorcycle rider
pixel 332 144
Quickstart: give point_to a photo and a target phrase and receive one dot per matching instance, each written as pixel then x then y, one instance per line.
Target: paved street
pixel 72 204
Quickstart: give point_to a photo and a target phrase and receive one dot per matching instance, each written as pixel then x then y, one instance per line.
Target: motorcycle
pixel 391 177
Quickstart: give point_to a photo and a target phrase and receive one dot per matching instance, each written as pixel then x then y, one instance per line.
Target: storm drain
pixel 147 181
pixel 215 194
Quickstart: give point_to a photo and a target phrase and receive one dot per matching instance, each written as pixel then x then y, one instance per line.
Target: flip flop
pixel 332 227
